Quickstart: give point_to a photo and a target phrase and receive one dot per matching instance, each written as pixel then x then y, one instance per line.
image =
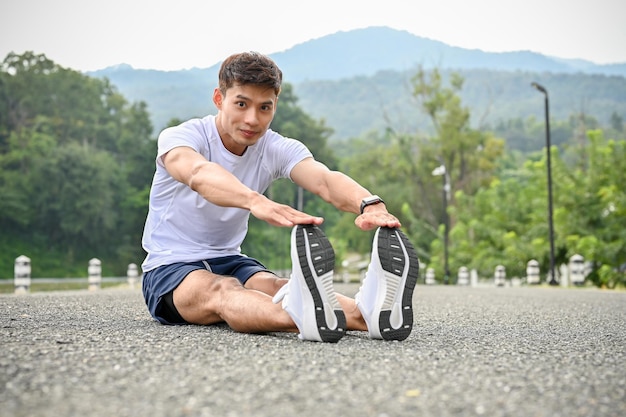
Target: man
pixel 210 176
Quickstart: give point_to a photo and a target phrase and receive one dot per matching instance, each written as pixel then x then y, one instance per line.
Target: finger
pixel 307 219
pixel 369 221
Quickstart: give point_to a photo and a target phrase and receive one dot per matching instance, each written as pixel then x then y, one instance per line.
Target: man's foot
pixel 309 296
pixel 386 295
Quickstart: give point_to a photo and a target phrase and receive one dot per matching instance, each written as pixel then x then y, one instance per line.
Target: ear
pixel 218 98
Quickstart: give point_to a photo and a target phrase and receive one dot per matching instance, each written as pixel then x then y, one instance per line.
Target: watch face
pixel 369 201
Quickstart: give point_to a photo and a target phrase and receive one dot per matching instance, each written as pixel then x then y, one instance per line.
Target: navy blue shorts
pixel 159 283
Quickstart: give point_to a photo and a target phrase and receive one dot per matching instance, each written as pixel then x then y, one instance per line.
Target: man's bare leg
pixel 269 284
pixel 206 298
pixel 354 318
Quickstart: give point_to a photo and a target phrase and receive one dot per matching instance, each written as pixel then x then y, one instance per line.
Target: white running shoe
pixel 386 295
pixel 309 296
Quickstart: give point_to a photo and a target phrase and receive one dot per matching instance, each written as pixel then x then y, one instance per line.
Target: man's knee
pixel 265 282
pixel 225 284
pixel 200 296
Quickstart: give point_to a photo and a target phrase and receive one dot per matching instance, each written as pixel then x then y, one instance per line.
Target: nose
pixel 251 117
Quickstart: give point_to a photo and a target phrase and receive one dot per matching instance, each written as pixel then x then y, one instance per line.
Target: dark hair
pixel 249 68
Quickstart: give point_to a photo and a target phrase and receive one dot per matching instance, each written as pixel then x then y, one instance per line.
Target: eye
pixel 266 107
pixel 240 104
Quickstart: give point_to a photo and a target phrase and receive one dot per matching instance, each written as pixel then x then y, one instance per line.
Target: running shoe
pixel 309 296
pixel 386 295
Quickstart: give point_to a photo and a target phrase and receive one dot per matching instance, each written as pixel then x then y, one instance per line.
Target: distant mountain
pixel 374 65
pixel 367 51
pixel 358 105
pixel 169 94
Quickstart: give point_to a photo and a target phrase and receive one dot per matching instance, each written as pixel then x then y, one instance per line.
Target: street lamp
pixel 552 279
pixel 441 171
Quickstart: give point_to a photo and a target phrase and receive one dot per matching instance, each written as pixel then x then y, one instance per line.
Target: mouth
pixel 248 133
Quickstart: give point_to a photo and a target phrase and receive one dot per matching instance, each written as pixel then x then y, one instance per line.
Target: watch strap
pixel 368 201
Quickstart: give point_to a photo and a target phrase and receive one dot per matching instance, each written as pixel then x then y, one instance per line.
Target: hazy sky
pixel 169 35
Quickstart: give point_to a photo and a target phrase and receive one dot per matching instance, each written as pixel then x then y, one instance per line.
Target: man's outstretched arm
pixel 220 187
pixel 343 192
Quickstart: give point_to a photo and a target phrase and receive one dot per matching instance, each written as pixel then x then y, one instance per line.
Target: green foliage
pixel 507 222
pixel 592 214
pixel 498 202
pixel 76 163
pixel 399 166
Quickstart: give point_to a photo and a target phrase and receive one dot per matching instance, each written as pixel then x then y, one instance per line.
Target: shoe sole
pixel 394 251
pixel 316 252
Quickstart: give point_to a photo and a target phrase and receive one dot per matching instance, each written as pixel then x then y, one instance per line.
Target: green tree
pixel 72 212
pixel 399 166
pixel 24 149
pixel 77 160
pixel 506 223
pixel 591 214
pixel 617 122
pixel 469 155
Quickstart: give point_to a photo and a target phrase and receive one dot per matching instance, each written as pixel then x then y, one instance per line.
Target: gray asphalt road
pixel 473 351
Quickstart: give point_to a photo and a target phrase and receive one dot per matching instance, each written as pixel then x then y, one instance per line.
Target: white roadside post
pixel 422 272
pixel 345 273
pixel 430 276
pixel 500 276
pixel 132 274
pixel 94 272
pixel 577 270
pixel 22 274
pixel 532 272
pixel 474 278
pixel 463 276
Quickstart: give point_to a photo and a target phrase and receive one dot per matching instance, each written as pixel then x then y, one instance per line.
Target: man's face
pixel 245 114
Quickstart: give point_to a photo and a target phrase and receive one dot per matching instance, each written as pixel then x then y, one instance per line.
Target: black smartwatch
pixel 368 201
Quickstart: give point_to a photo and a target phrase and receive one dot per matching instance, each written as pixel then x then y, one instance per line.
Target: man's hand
pixel 376 216
pixel 280 214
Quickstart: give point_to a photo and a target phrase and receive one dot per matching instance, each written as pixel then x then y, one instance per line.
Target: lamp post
pixel 540 88
pixel 441 171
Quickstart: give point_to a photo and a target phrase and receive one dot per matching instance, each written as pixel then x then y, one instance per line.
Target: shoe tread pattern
pixel 392 258
pixel 323 260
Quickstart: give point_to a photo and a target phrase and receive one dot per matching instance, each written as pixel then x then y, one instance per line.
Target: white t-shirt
pixel 184 227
